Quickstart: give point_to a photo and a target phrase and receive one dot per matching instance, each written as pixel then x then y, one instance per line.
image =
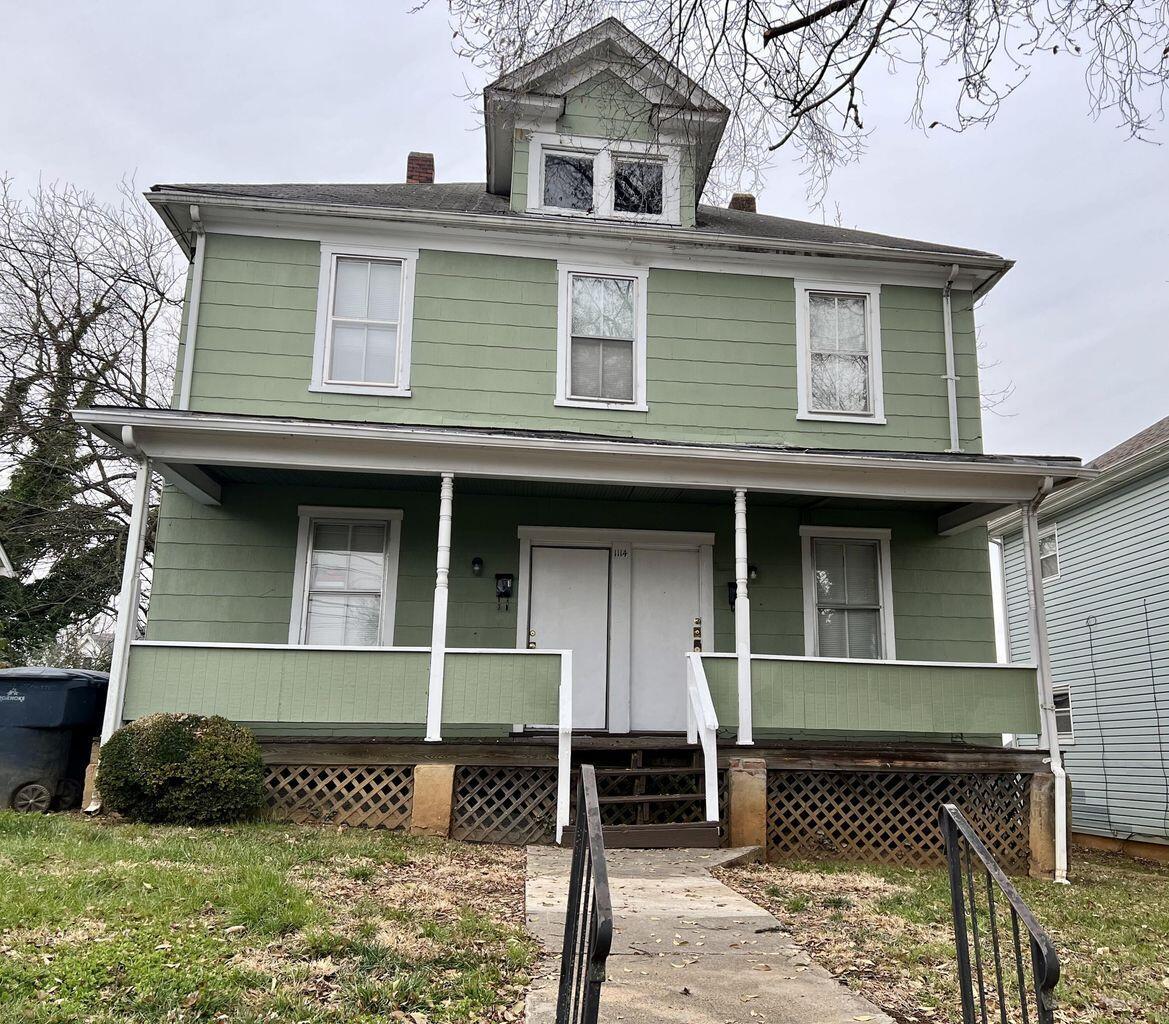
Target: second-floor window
pixel 363 322
pixel 601 344
pixel 839 355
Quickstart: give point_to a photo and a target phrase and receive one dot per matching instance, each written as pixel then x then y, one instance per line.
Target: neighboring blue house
pixel 1104 554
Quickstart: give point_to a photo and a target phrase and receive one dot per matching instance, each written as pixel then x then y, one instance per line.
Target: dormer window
pixel 604 178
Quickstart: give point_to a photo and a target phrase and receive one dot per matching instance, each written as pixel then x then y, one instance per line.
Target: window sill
pixel 607 218
pixel 377 390
pixel 580 403
pixel 828 417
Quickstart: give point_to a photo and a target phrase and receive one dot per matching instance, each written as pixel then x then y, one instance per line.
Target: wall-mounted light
pixel 752 572
pixel 503 588
pixel 732 592
pixel 476 566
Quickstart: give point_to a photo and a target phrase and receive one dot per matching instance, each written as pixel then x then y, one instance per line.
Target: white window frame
pixel 330 253
pixel 310 514
pixel 1050 531
pixel 1069 737
pixel 872 295
pixel 640 278
pixel 884 567
pixel 605 153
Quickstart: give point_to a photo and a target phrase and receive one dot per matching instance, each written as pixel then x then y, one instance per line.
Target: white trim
pixel 330 252
pixel 878 661
pixel 742 613
pixel 1050 531
pixel 196 300
pixel 570 536
pixel 884 568
pixel 438 624
pixel 872 296
pixel 307 515
pixel 605 154
pixel 640 278
pixel 358 648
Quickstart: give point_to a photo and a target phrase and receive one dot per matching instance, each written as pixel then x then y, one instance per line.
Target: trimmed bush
pixel 182 769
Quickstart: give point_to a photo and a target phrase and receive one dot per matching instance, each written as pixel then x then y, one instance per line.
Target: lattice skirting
pixel 504 804
pixel 375 795
pixel 892 817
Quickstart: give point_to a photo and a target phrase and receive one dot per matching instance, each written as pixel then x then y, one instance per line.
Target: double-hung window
pixel 1049 554
pixel 601 344
pixel 839 353
pixel 847 593
pixel 1064 724
pixel 364 315
pixel 346 577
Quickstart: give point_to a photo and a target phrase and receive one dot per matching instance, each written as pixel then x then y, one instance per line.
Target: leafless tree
pixel 89 307
pixel 792 72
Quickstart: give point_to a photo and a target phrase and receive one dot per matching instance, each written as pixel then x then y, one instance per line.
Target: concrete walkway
pixel 685 948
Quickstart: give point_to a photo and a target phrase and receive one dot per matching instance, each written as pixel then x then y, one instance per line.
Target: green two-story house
pixel 488 478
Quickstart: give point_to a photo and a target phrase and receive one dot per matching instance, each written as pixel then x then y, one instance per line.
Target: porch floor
pixel 685 947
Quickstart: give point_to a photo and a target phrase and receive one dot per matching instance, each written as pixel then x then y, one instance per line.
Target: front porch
pixel 557 593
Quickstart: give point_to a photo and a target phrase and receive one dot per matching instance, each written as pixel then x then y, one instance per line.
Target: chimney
pixel 420 169
pixel 742 201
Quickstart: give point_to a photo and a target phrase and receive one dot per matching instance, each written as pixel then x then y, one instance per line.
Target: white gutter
pixel 1041 655
pixel 193 310
pixel 951 374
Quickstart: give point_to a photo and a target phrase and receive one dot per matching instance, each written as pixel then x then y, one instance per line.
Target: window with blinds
pixel 603 341
pixel 345 583
pixel 364 322
pixel 847 579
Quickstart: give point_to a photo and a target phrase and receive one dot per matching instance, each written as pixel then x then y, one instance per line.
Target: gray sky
pixel 297 91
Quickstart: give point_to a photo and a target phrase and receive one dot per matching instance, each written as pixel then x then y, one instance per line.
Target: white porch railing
pixel 702 726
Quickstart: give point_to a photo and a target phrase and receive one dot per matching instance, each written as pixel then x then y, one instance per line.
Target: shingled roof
pixel 472 198
pixel 1148 438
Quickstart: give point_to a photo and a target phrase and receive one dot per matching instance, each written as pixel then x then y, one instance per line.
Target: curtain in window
pixel 848 598
pixel 603 338
pixel 367 300
pixel 345 582
pixel 839 368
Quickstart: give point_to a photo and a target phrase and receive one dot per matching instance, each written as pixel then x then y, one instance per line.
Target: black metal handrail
pixel 588 921
pixel 977 928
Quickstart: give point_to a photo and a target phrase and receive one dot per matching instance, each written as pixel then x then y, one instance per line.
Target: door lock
pixel 697 634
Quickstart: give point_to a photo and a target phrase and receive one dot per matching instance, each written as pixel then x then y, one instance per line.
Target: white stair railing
pixel 702 727
pixel 564 747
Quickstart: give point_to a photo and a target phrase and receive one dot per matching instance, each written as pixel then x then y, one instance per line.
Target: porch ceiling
pixel 197 452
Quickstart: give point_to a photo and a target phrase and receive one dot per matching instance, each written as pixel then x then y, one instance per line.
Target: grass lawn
pixel 103 922
pixel 888 933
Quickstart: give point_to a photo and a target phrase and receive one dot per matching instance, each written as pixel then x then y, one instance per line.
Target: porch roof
pixel 199 451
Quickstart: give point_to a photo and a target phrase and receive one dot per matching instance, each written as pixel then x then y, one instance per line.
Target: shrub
pixel 182 769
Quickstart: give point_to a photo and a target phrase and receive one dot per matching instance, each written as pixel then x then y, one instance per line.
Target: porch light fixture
pixel 476 566
pixel 733 585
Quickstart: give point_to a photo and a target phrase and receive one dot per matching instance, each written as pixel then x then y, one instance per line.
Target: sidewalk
pixel 686 948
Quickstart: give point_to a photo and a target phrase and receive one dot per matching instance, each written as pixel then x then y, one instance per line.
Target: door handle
pixel 531 639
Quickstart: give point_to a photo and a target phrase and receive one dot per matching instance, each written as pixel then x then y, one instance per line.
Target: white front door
pixel 665 599
pixel 569 610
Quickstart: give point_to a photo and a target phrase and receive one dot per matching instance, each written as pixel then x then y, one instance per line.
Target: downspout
pixel 1042 654
pixel 193 309
pixel 951 374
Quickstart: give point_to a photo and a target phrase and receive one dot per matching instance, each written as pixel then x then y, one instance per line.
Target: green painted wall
pixel 225 573
pixel 794 697
pixel 720 365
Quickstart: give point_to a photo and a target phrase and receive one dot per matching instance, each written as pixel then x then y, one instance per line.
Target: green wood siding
pixel 225 573
pixel 266 685
pixel 721 352
pixel 501 689
pixel 796 696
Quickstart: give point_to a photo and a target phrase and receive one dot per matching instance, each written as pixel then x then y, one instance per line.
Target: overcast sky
pixel 297 91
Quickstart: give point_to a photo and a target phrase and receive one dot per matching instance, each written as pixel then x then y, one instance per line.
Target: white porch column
pixel 127 624
pixel 1041 653
pixel 742 618
pixel 438 625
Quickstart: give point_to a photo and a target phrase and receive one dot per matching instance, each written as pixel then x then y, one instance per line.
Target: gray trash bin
pixel 48 718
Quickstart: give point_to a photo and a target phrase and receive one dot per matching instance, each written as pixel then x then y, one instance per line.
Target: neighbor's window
pixel 637 185
pixel 602 347
pixel 363 345
pixel 568 181
pixel 839 368
pixel 345 584
pixel 847 586
pixel 1063 713
pixel 1048 554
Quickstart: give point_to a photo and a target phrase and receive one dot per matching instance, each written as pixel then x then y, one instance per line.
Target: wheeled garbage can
pixel 48 718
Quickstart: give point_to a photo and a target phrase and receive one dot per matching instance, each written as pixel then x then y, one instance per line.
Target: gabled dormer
pixel 602 127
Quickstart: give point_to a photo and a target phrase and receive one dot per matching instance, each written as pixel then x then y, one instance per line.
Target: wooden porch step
pixel 701 835
pixel 634 772
pixel 648 798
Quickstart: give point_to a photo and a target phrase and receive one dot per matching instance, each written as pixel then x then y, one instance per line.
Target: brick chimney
pixel 420 169
pixel 742 201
